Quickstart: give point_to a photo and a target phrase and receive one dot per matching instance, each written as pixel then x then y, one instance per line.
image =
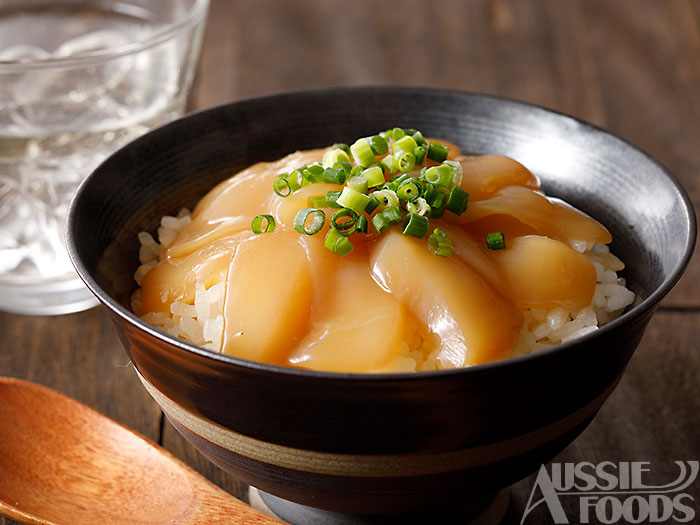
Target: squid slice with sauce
pixel 547 217
pixel 175 278
pixel 485 175
pixel 268 299
pixel 474 323
pixel 358 327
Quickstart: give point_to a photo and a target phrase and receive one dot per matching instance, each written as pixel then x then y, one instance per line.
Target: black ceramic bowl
pixel 397 442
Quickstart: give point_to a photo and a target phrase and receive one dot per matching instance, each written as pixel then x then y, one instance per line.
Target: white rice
pixel 202 323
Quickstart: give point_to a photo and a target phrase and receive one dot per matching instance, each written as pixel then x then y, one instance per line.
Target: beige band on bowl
pixel 370 465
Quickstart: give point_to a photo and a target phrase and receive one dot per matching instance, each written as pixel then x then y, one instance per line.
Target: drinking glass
pixel 78 79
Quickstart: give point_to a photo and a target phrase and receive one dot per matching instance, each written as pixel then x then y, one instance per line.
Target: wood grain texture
pixel 632 66
pixel 64 463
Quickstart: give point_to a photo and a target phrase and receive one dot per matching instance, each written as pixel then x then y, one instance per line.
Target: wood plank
pixel 653 415
pixel 646 59
pixel 81 356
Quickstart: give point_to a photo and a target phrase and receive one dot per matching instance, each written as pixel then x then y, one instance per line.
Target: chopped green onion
pixel 495 241
pixel 332 199
pixel 390 163
pixel 457 201
pixel 419 154
pixel 378 145
pixel 318 219
pixel 437 152
pixel 333 156
pixel 372 204
pixel 281 186
pixel 362 152
pixel 334 175
pixel 456 171
pixel 418 137
pixel 419 207
pixel 415 225
pixel 342 146
pixel 356 170
pixel 400 177
pixel 353 200
pixel 348 226
pixel 405 143
pixel 396 133
pixel 437 204
pixel 318 202
pixel 337 242
pixel 386 198
pixel 362 224
pixel 317 170
pixel 406 161
pixel 440 176
pixel 427 190
pixel 295 180
pixel 391 185
pixel 439 243
pixel 388 217
pixel 374 176
pixel 408 190
pixel 345 166
pixel 358 183
pixel 257 224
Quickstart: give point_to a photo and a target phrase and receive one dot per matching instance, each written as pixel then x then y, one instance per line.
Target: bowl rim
pixel 635 312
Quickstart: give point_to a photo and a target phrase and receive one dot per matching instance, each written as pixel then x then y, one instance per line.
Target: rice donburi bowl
pixel 325 260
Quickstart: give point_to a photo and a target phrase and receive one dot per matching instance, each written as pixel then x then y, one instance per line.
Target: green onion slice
pixel 362 223
pixel 439 243
pixel 456 171
pixel 457 201
pixel 396 133
pixel 386 198
pixel 406 161
pixel 337 242
pixel 372 204
pixel 390 164
pixel 281 186
pixel 257 225
pixel 318 202
pixel 318 218
pixel 408 190
pixel 420 207
pixel 358 183
pixel 419 154
pixel 378 144
pixel 437 152
pixel 362 152
pixel 404 144
pixel 332 199
pixel 388 217
pixel 334 175
pixel 440 176
pixel 418 137
pixel 374 176
pixel 495 241
pixel 415 225
pixel 347 226
pixel 354 200
pixel 343 146
pixel 333 156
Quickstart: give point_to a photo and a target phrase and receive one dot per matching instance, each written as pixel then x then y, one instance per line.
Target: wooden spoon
pixel 62 462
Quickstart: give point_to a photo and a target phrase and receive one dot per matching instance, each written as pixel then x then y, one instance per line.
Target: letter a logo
pixel 549 496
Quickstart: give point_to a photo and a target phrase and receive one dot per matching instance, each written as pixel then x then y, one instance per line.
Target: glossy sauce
pixel 290 301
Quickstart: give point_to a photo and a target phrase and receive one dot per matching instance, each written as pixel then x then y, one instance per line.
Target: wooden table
pixel 630 66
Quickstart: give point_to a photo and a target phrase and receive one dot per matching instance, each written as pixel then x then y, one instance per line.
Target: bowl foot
pixel 483 512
